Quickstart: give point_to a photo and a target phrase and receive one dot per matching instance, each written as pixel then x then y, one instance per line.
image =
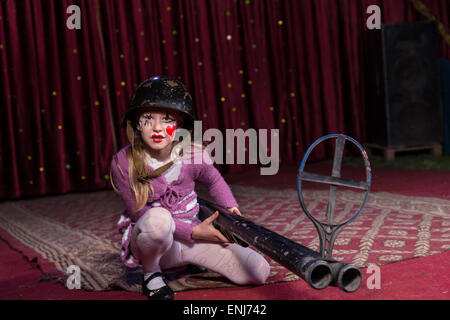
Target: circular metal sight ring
pixel 329 230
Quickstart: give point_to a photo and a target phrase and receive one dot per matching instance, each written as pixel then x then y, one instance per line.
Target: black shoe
pixel 163 293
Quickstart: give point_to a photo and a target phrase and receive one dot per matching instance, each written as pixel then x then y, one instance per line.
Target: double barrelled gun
pixel 304 262
pixel 318 269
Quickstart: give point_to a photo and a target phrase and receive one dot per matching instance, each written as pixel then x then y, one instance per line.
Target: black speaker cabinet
pixel 403 93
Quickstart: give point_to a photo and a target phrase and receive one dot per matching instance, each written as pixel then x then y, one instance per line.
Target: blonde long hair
pixel 138 174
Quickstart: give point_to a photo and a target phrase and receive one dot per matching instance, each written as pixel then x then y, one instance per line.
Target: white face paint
pixel 157 129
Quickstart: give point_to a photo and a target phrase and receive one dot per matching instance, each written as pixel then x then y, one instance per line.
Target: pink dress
pixel 173 190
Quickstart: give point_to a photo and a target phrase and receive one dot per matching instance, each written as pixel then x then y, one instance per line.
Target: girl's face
pixel 158 128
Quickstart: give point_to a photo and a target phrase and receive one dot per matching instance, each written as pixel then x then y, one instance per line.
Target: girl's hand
pixel 235 210
pixel 206 231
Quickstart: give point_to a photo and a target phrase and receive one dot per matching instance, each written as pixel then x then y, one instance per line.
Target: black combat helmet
pixel 164 92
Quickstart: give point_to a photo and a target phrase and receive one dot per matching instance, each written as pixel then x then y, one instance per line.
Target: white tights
pixel 153 244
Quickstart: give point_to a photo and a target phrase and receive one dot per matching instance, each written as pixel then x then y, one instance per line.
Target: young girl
pixel 155 176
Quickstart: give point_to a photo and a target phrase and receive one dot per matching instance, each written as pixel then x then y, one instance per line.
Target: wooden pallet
pixel 389 152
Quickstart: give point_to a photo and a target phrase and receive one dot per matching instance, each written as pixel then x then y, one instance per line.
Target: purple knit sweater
pixel 172 196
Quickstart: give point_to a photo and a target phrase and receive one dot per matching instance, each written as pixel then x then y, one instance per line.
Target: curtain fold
pixel 296 66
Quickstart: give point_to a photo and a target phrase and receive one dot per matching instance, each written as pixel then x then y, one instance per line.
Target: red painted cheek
pixel 170 130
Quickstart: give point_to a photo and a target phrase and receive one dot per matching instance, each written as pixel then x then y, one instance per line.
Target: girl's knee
pixel 156 225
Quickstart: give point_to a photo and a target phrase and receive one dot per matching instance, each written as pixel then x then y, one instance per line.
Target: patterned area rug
pixel 80 229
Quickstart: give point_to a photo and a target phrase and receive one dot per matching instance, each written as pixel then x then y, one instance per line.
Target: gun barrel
pixel 347 277
pixel 316 272
pixel 306 263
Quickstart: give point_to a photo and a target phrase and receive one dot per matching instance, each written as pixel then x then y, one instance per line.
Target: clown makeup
pixel 157 129
pixel 168 122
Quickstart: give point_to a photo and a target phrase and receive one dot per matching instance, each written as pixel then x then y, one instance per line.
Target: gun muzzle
pixel 347 277
pixel 317 273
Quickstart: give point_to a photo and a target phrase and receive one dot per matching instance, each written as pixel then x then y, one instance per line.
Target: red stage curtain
pixel 263 64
